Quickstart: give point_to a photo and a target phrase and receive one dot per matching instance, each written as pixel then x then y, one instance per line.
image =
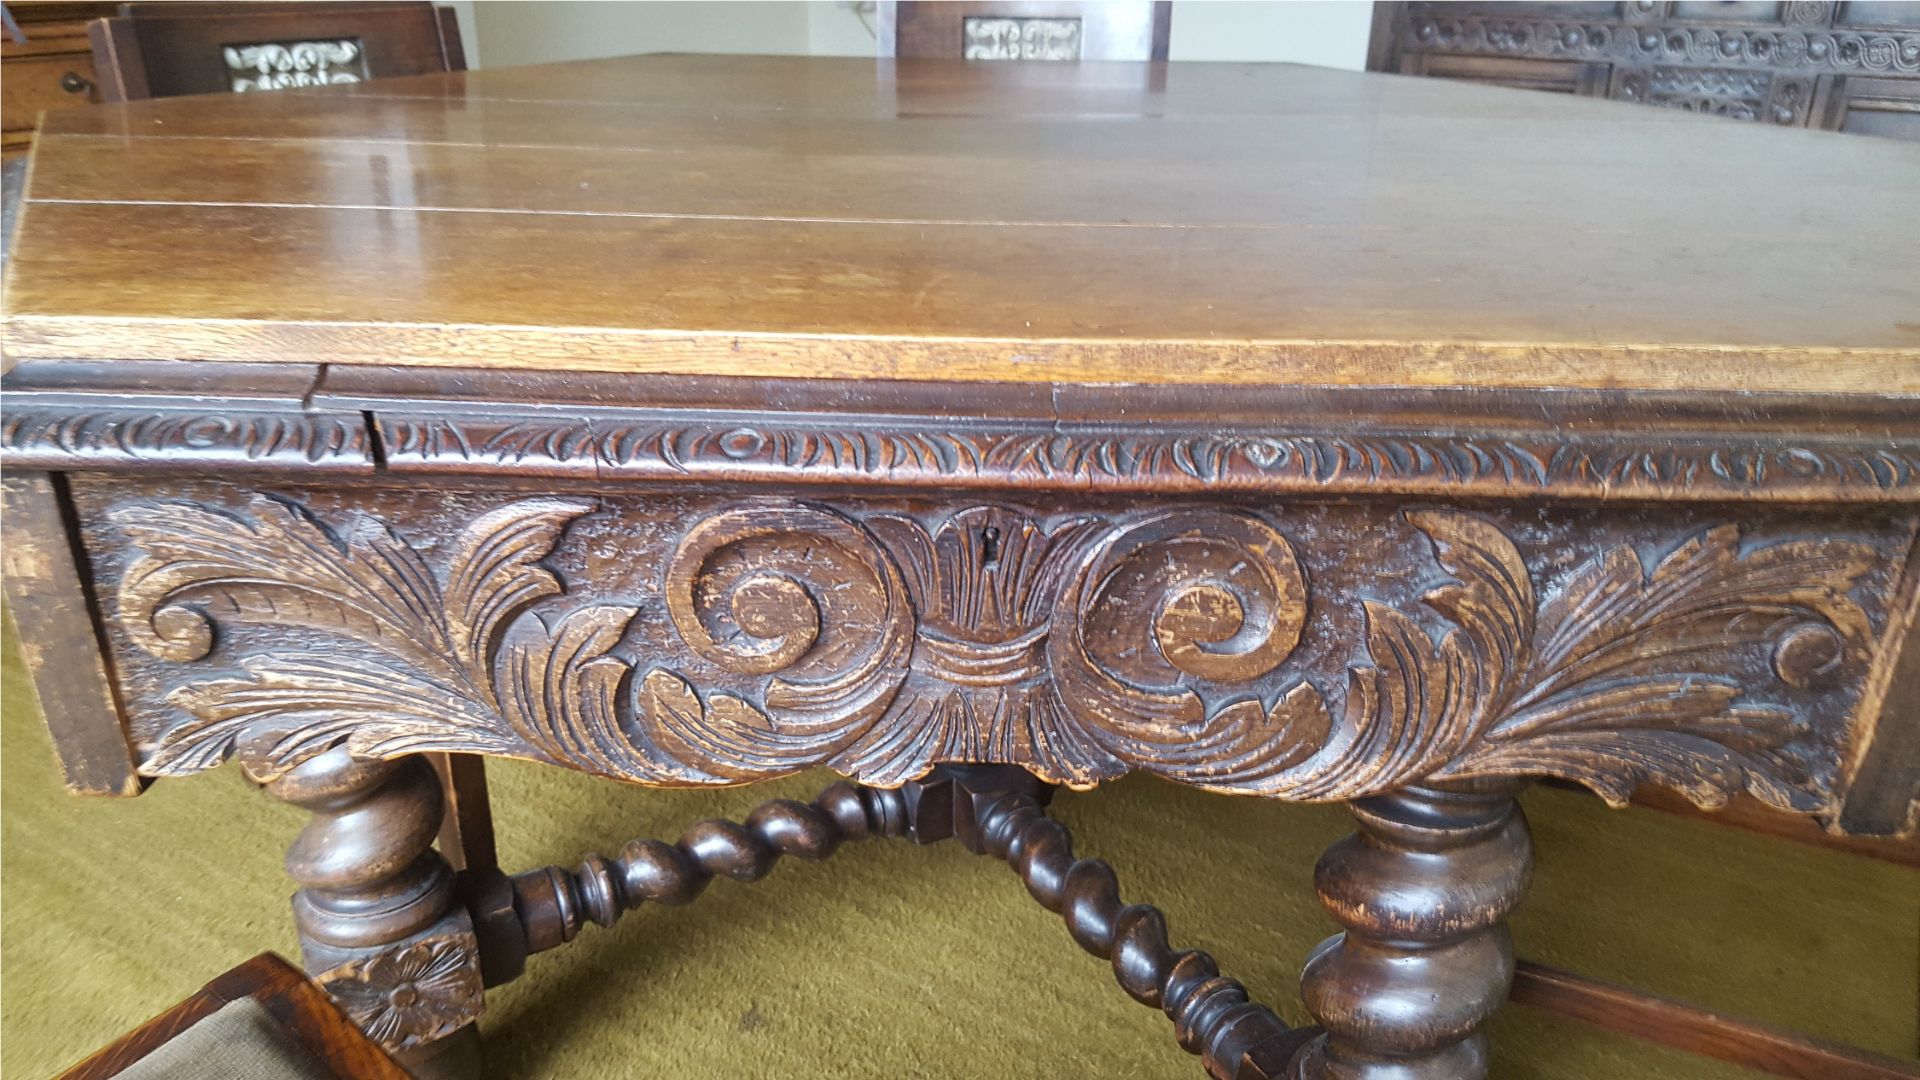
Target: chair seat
pixel 241 1041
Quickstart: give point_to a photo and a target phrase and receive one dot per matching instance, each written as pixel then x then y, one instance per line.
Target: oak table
pixel 1289 433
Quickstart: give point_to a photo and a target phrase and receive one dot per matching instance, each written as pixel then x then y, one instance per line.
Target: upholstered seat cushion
pixel 239 1042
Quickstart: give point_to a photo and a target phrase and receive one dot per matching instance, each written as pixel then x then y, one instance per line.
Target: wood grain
pixel 708 639
pixel 916 221
pixel 1700 1031
pixel 51 606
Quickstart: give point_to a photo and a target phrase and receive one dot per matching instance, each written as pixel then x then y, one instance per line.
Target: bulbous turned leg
pixel 378 924
pixel 1423 890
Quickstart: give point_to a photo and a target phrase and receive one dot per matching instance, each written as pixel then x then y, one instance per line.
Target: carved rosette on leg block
pixel 1423 890
pixel 378 924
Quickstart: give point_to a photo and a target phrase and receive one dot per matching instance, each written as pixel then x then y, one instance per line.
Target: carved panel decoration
pixel 1836 50
pixel 277 65
pixel 989 38
pixel 1722 91
pixel 1783 64
pixel 719 642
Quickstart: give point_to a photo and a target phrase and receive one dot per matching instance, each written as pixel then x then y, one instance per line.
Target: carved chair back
pixel 1030 30
pixel 155 50
pixel 1837 67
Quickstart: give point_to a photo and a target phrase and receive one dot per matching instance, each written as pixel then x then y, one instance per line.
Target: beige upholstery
pixel 240 1042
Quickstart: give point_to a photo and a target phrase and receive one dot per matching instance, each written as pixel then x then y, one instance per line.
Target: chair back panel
pixel 1030 30
pixel 165 50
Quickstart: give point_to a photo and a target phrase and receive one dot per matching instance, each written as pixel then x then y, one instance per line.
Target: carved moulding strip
pixel 1037 457
pixel 41 435
pixel 879 645
pixel 1025 456
pixel 1806 49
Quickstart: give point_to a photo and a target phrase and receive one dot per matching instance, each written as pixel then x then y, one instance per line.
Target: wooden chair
pixel 264 1020
pixel 1031 30
pixel 1709 58
pixel 155 50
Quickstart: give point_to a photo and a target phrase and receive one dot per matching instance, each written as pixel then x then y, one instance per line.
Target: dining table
pixel 970 430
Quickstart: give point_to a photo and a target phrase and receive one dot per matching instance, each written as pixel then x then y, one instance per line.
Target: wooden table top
pixel 833 218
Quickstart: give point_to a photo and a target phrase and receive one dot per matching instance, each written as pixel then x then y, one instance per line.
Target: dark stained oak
pixel 938 220
pixel 694 421
pixel 379 926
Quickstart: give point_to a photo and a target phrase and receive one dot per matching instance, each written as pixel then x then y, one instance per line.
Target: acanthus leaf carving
pixel 1080 648
pixel 429 682
pixel 1627 682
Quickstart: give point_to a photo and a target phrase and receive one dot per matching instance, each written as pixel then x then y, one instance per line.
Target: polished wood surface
pixel 939 220
pixel 1622 486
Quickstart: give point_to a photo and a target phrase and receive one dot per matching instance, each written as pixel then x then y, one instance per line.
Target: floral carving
pixel 795 635
pixel 410 995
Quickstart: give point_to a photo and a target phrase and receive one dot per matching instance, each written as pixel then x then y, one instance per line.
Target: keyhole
pixel 989 547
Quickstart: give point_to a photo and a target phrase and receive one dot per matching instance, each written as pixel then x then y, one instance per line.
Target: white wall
pixel 507 32
pixel 1330 33
pixel 463 10
pixel 537 31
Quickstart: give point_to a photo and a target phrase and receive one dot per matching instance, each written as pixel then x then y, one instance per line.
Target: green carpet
pixel 895 961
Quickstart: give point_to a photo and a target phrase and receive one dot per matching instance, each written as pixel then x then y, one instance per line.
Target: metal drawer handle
pixel 74 83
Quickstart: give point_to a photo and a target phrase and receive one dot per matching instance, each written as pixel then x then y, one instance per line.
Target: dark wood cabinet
pixel 1843 66
pixel 47 66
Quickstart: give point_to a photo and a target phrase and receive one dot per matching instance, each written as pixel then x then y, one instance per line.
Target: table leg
pixel 379 926
pixel 1423 890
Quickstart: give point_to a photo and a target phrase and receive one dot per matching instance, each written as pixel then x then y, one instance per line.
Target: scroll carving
pixel 787 635
pixel 278 65
pixel 1020 38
